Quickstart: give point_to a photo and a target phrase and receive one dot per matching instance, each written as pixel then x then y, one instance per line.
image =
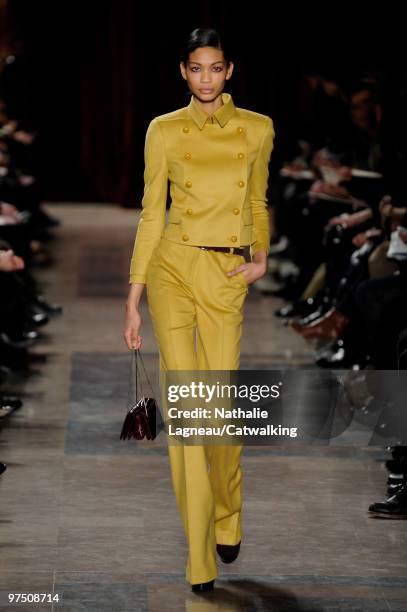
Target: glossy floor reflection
pixel 93 518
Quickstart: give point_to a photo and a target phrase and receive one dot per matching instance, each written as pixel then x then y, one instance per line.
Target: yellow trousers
pixel 197 313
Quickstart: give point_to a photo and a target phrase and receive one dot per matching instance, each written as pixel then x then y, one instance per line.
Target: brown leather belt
pixel 233 250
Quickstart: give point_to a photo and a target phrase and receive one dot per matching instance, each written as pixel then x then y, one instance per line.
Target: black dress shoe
pixel 313 316
pixel 16 341
pixel 300 308
pixel 392 489
pixel 3 467
pixel 48 307
pixel 228 553
pixel 395 507
pixel 11 400
pixel 203 587
pixel 25 333
pixel 36 316
pixel 6 411
pixel 30 333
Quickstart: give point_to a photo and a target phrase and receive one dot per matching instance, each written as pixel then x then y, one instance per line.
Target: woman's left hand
pixel 253 270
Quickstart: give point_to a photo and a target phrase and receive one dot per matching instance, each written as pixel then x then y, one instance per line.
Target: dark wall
pixel 97 72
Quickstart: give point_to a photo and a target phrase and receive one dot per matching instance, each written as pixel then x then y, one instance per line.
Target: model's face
pixel 206 72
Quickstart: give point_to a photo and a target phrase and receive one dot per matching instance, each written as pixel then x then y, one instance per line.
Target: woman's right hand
pixel 132 327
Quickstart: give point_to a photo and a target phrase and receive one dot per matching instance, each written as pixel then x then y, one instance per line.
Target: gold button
pixel 240 155
pixel 187 155
pixel 236 211
pixel 233 238
pixel 240 130
pixel 188 184
pixel 185 237
pixel 185 129
pixel 241 183
pixel 189 211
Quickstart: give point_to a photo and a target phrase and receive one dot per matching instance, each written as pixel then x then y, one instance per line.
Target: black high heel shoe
pixel 228 553
pixel 203 587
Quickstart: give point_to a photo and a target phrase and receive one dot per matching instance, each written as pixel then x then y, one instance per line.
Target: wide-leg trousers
pixel 197 312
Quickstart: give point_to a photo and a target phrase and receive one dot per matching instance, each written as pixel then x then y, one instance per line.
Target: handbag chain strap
pixel 136 374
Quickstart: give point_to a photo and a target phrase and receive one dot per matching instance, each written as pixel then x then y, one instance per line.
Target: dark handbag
pixel 141 420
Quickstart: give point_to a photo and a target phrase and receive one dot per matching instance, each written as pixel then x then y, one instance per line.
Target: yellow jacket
pixel 217 166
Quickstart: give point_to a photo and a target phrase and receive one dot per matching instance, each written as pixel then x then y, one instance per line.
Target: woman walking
pixel 215 157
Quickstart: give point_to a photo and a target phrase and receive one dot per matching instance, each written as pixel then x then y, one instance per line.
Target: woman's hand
pixel 132 325
pixel 253 270
pixel 352 220
pixel 9 210
pixel 23 137
pixel 329 189
pixel 132 321
pixel 363 237
pixel 9 261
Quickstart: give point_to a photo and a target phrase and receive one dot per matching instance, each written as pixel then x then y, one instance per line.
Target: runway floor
pixel 93 518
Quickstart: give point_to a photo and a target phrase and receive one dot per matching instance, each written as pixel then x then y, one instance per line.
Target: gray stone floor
pixel 93 518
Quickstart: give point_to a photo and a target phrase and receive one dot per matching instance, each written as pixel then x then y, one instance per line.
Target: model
pixel 216 159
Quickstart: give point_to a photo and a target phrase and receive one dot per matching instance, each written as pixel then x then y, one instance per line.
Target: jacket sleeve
pixel 258 191
pixel 152 217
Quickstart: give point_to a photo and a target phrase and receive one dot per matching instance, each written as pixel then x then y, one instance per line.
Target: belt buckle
pixel 204 248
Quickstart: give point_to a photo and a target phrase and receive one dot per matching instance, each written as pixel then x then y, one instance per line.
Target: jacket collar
pixel 222 115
